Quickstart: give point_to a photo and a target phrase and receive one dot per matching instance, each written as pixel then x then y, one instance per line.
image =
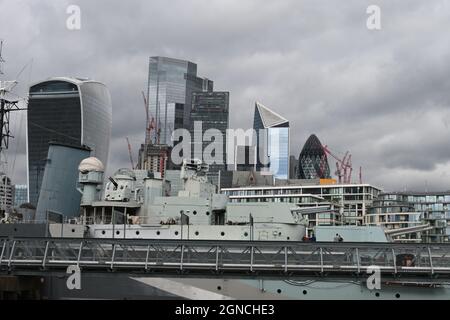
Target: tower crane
pixel 343 166
pixel 130 153
pixel 150 124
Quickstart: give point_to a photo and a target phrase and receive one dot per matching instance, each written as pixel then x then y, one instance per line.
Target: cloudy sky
pixel 384 95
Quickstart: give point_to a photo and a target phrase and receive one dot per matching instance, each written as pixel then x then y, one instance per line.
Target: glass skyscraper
pixel 72 111
pixel 210 109
pixel 272 131
pixel 171 83
pixel 313 161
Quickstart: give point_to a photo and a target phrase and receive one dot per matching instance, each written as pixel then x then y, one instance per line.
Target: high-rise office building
pixel 272 131
pixel 154 158
pixel 209 112
pixel 171 83
pixel 6 193
pixel 293 167
pixel 72 111
pixel 20 194
pixel 313 162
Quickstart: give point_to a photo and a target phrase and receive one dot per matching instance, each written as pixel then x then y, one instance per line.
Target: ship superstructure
pixel 135 205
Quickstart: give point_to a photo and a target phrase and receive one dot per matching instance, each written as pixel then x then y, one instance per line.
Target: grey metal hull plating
pixel 118 286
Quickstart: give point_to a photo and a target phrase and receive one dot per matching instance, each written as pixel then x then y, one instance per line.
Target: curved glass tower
pixel 72 111
pixel 313 162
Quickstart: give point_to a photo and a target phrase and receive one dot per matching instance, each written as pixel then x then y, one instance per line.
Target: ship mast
pixel 7 104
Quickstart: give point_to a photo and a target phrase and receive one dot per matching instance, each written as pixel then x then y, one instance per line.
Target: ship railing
pixel 222 257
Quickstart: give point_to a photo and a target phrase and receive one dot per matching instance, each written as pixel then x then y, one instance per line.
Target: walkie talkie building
pixel 72 111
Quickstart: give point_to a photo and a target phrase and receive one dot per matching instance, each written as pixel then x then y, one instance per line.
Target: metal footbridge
pixel 36 256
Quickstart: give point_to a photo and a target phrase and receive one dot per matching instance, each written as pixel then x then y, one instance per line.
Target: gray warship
pixel 134 206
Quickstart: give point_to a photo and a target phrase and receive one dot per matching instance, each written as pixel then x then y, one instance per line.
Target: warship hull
pixel 117 287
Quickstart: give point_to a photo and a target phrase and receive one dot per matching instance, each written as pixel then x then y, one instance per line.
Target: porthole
pixel 15 229
pixel 305 292
pixel 377 294
pixel 194 212
pixel 219 288
pixel 117 232
pixel 137 233
pixel 245 234
pixel 73 230
pixel 196 233
pixel 103 231
pixel 397 295
pixel 158 233
pixel 176 233
pixel 222 233
pixel 279 290
pixel 288 238
pixel 207 213
pixel 279 233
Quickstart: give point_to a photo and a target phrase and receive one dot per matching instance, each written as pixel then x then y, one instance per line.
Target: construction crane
pixel 343 166
pixel 150 124
pixel 1 58
pixel 360 175
pixel 130 153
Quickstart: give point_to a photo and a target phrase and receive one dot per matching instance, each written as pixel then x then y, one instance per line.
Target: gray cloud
pixel 384 95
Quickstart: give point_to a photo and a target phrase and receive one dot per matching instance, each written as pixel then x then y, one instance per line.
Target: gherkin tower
pixel 313 162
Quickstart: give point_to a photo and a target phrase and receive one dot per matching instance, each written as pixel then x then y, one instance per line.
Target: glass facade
pixel 69 111
pixel 171 81
pixel 401 209
pixel 278 151
pixel 20 194
pixel 354 200
pixel 210 109
pixel 313 162
pixel 272 133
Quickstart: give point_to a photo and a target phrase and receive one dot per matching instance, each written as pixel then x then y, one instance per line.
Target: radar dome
pixel 91 164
